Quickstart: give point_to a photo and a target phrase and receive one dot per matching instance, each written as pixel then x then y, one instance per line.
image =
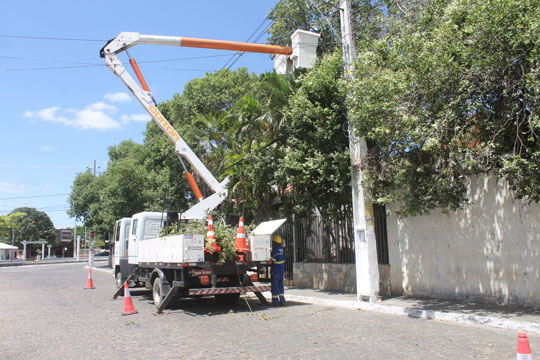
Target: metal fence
pixel 315 240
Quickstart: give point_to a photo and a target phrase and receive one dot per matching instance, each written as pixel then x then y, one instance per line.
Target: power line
pixel 180 59
pixel 239 54
pixel 82 66
pixel 49 38
pixel 38 209
pixel 88 65
pixel 51 68
pixel 177 69
pixel 45 60
pixel 31 197
pixel 100 64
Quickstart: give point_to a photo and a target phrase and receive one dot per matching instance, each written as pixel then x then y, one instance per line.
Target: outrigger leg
pixel 121 288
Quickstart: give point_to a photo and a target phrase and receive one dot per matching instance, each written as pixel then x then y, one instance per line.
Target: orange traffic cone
pixel 240 241
pixel 211 236
pixel 89 282
pixel 523 348
pixel 128 304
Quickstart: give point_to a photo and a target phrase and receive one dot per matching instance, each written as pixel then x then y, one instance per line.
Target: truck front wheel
pixel 119 280
pixel 157 292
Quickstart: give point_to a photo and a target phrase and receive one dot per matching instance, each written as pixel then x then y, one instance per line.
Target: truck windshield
pixel 117 231
pixel 134 227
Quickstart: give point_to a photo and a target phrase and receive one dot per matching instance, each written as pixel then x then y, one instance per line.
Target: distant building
pixel 8 252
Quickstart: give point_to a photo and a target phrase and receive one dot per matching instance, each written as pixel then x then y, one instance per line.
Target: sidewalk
pixel 46 261
pixel 501 316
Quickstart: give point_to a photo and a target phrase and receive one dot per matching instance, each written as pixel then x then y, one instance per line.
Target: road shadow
pixel 207 305
pixel 476 308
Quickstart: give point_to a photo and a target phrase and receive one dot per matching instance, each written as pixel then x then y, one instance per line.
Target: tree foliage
pixel 119 192
pixel 34 225
pixel 323 17
pixel 317 161
pixel 451 90
pixel 8 224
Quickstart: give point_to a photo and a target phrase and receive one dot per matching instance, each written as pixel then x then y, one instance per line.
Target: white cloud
pixel 45 114
pixel 101 106
pixel 47 148
pixel 11 188
pixel 135 118
pixel 120 97
pixel 99 115
pixel 93 117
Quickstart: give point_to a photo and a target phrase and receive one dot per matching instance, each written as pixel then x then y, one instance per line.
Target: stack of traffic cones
pixel 89 282
pixel 523 348
pixel 240 241
pixel 211 236
pixel 128 304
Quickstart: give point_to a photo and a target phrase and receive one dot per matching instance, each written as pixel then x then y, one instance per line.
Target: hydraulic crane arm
pixel 142 93
pixel 128 39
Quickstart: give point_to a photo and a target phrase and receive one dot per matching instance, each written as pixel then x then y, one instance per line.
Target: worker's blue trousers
pixel 278 293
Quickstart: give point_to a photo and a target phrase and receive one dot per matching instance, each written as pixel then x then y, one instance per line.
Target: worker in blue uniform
pixel 277 271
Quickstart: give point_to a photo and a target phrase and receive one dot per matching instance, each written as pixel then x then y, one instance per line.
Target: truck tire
pixel 157 292
pixel 227 299
pixel 118 279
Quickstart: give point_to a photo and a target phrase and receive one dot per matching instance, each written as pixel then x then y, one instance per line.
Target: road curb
pixel 418 313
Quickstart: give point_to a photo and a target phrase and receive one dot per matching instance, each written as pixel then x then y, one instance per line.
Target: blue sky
pixel 62 108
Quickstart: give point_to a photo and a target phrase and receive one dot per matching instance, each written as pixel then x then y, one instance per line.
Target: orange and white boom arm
pixel 128 39
pixel 142 93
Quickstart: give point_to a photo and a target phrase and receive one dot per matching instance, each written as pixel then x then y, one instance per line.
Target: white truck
pixel 175 266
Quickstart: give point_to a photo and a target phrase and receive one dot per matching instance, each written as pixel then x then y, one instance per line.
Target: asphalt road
pixel 45 313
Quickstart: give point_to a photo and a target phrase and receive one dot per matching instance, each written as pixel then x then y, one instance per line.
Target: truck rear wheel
pixel 157 292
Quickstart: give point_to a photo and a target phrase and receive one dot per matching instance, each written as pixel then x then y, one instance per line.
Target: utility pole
pixel 367 267
pixel 75 242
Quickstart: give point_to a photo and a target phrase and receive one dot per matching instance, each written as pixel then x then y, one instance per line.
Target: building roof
pixel 7 247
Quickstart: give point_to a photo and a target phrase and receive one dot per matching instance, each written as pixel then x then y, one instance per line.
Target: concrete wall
pixel 488 251
pixel 334 277
pixel 325 276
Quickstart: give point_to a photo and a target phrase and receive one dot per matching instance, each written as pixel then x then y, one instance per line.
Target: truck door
pixel 117 244
pixel 132 242
pixel 124 237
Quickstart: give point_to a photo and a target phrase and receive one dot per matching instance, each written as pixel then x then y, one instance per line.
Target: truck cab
pixel 144 226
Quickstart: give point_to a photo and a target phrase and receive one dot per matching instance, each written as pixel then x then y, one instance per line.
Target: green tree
pixel 253 164
pixel 199 116
pixel 33 226
pixel 316 165
pixel 323 17
pixel 450 91
pixel 84 194
pixel 8 224
pixel 120 191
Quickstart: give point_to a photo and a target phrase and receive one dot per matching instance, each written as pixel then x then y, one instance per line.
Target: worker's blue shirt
pixel 278 260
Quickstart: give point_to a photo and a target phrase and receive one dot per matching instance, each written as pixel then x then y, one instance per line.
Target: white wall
pixel 489 250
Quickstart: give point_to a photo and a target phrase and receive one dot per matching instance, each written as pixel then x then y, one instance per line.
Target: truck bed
pixel 171 249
